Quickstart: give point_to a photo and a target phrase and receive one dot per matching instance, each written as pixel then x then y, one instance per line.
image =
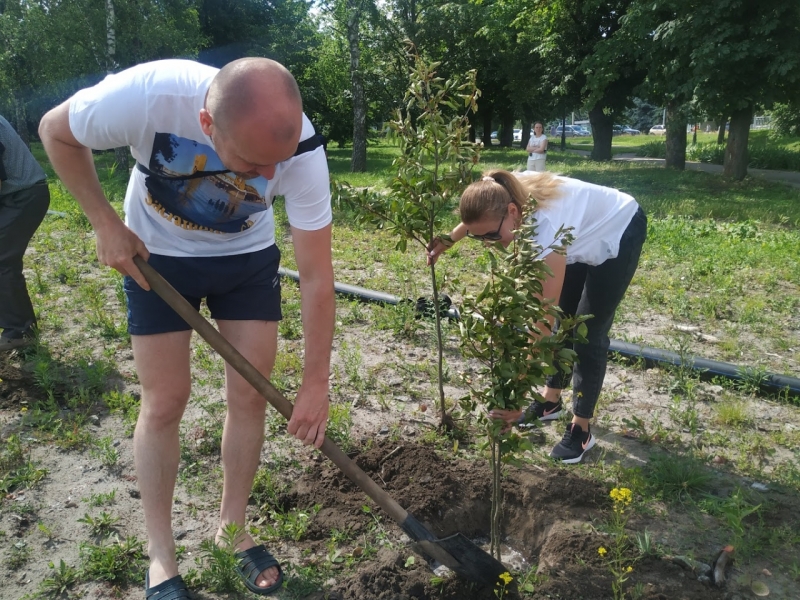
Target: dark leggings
pixel 597 290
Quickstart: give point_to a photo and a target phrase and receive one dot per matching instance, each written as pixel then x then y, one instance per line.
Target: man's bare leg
pixel 162 363
pixel 243 435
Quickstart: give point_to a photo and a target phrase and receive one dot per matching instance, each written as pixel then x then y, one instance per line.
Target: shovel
pixel 456 552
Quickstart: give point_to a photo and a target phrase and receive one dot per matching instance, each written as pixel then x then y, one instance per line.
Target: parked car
pixel 626 130
pixel 494 135
pixel 582 130
pixel 518 135
pixel 658 130
pixel 569 131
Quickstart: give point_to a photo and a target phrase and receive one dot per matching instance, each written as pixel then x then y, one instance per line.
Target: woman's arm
pixel 551 286
pixel 440 244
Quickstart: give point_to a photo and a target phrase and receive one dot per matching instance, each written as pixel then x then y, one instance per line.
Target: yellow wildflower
pixel 506 577
pixel 621 496
pixel 601 551
pixel 629 569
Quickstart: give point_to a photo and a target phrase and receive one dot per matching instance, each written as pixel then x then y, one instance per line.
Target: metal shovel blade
pixel 456 552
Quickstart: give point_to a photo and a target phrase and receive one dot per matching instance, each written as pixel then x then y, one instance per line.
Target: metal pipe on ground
pixel 768 382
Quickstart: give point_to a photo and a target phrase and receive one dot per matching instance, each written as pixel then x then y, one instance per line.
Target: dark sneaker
pixel 8 343
pixel 575 443
pixel 544 411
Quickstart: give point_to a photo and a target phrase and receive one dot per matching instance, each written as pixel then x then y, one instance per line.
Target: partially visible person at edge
pixel 213 149
pixel 537 149
pixel 24 198
pixel 609 228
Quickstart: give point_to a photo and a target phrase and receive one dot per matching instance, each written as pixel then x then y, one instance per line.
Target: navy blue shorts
pixel 242 287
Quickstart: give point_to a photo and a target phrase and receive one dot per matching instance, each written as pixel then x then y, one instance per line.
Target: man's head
pixel 253 114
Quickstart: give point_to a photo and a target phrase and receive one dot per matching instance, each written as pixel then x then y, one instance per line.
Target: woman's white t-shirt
pixel 597 215
pixel 538 141
pixel 154 108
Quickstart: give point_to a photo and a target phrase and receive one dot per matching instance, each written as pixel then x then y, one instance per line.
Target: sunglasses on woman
pixel 491 236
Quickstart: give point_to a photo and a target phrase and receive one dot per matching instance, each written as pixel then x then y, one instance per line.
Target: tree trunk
pixel 21 120
pixel 723 122
pixel 602 131
pixel 735 165
pixel 120 154
pixel 358 163
pixel 507 129
pixel 526 134
pixel 676 137
pixel 486 117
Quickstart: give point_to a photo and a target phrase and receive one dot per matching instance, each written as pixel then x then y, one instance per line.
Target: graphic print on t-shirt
pixel 189 185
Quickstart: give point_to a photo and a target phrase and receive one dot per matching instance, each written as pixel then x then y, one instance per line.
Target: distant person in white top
pixel 213 149
pixel 609 228
pixel 537 148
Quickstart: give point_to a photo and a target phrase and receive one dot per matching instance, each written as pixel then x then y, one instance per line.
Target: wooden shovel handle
pixel 262 385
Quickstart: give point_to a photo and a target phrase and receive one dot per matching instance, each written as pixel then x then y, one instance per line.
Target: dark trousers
pixel 597 290
pixel 21 213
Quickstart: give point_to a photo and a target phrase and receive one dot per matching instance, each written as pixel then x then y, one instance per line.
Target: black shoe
pixel 544 411
pixel 575 443
pixel 9 341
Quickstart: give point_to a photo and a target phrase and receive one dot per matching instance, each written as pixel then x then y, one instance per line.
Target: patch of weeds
pixel 267 487
pixel 46 530
pixel 205 437
pixel 217 563
pixel 646 545
pixel 16 469
pixel 677 477
pixel 105 451
pixel 124 404
pixel 288 525
pixel 100 525
pixel 733 510
pixel 18 555
pixel 340 426
pixel 59 581
pixel 732 414
pixel 288 371
pixel 400 319
pixel 302 581
pixel 115 561
pixel 751 379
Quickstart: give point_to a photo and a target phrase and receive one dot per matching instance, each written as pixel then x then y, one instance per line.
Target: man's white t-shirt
pixel 597 215
pixel 189 204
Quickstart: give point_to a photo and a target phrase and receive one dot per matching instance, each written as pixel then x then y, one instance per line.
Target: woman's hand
pixel 511 417
pixel 437 246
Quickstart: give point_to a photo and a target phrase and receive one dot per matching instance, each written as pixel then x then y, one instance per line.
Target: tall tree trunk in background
pixel 736 158
pixel 120 154
pixel 676 137
pixel 507 129
pixel 358 163
pixel 526 134
pixel 486 116
pixel 21 120
pixel 723 122
pixel 602 131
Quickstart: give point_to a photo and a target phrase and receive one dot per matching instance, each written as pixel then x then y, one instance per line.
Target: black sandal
pixel 171 589
pixel 250 565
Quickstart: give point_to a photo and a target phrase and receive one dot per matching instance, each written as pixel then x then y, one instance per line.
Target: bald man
pixel 213 149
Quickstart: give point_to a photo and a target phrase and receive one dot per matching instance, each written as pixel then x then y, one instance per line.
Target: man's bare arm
pixel 313 257
pixel 74 165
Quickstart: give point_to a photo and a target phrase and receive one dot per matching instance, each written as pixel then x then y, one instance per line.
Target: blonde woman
pixel 537 148
pixel 609 228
